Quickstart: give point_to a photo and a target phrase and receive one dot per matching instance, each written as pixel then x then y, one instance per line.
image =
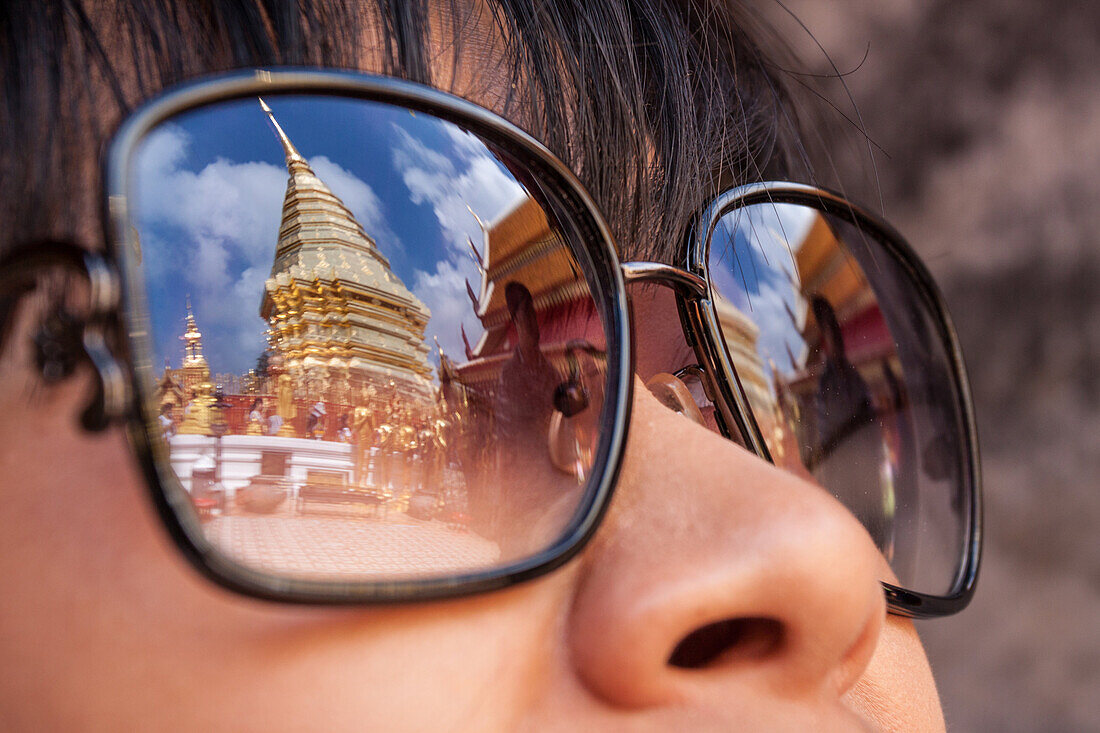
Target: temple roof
pixel 521 246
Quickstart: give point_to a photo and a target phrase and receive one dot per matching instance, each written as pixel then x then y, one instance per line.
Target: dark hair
pixel 653 103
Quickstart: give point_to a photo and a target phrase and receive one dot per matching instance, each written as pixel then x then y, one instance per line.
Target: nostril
pixel 737 638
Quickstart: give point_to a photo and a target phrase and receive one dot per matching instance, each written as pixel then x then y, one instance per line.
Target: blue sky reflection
pixel 752 265
pixel 209 190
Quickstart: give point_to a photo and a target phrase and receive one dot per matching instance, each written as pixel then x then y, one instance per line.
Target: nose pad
pixel 699 390
pixel 674 394
pixel 702 389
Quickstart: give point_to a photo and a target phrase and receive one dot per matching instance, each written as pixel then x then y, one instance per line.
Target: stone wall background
pixel 988 113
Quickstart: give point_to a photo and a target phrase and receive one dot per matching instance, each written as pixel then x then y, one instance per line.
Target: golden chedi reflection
pixel 340 319
pixel 198 415
pixel 341 328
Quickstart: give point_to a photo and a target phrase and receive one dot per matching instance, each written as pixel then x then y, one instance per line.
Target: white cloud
pixel 464 140
pixel 411 153
pixel 236 205
pixel 444 292
pixel 468 179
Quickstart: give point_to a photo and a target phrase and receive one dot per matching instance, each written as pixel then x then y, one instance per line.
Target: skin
pixel 103 625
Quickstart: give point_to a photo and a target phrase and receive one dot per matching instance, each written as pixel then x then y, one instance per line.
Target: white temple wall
pixel 241 457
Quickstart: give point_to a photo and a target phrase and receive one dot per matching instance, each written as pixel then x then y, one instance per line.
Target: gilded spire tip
pixel 292 154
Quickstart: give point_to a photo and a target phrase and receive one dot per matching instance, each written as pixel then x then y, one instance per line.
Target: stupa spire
pixel 292 154
pixel 195 371
pixel 192 340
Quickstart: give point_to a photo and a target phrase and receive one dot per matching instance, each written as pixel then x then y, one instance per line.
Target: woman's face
pixel 762 584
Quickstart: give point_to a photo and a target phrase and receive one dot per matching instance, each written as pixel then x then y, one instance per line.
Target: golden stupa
pixel 195 378
pixel 340 320
pixel 195 371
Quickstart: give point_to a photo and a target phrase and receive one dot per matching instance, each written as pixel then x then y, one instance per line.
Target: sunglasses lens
pixel 377 349
pixel 845 366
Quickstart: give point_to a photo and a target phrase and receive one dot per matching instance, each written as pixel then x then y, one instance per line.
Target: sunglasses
pixel 378 347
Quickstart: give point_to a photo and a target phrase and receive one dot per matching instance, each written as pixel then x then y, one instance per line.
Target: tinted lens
pixel 367 325
pixel 849 378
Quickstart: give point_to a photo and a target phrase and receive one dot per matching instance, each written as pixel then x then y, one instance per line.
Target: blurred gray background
pixel 988 117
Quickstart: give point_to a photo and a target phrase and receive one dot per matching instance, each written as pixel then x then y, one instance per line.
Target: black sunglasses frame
pixel 558 184
pixel 699 317
pixel 123 390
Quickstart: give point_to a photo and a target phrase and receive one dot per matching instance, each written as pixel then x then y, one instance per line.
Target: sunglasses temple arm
pixel 113 394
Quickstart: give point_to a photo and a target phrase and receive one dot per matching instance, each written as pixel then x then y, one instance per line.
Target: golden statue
pixel 362 428
pixel 199 412
pixel 286 405
pixel 434 450
pixel 383 471
pixel 405 444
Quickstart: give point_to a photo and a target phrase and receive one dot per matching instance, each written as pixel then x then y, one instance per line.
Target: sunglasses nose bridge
pixel 731 414
pixel 686 284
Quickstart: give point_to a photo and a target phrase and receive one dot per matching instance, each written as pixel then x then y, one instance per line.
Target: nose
pixel 717 575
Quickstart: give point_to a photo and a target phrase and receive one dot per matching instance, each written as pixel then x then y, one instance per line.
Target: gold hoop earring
pixel 570 436
pixel 570 446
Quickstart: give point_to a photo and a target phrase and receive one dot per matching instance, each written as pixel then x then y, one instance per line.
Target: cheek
pixel 72 499
pixel 79 551
pixel 897 691
pixel 107 622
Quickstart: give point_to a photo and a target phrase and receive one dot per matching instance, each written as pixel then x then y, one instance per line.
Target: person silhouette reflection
pixel 849 436
pixel 524 404
pixel 527 379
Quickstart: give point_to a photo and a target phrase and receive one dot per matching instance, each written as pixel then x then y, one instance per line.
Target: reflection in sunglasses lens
pixel 381 359
pixel 849 381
